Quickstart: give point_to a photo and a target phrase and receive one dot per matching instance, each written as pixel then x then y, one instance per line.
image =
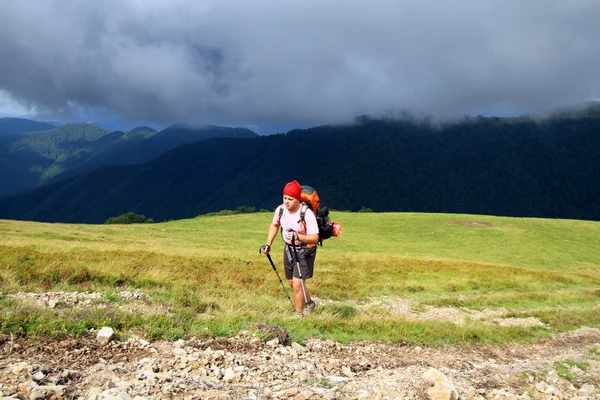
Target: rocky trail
pixel 566 366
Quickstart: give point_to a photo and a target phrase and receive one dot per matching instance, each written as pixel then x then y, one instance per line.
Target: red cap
pixel 293 189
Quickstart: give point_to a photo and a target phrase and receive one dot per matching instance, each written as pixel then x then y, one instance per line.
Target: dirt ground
pixel 566 366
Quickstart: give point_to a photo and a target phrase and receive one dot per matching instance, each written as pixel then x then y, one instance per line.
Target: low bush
pixel 129 218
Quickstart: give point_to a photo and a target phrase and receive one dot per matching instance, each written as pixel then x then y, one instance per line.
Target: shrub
pixel 129 218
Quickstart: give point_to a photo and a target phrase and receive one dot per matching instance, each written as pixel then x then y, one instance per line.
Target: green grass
pixel 564 369
pixel 205 276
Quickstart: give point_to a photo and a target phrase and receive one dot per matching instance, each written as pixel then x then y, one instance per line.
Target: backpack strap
pixel 302 219
pixel 280 215
pixel 303 213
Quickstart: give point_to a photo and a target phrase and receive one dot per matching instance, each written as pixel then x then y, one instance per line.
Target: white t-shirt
pixel 291 221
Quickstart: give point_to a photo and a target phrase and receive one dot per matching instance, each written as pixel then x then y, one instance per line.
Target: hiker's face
pixel 289 202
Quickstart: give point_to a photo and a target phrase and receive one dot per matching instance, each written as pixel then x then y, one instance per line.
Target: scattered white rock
pixel 443 388
pixel 245 367
pixel 179 352
pixel 105 335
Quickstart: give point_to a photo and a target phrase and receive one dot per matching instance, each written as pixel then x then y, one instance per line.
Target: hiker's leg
pixel 308 266
pixel 299 294
pixel 289 266
pixel 306 258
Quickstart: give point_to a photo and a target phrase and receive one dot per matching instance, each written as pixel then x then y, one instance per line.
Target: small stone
pixel 229 375
pixel 105 335
pixel 443 388
pixel 298 347
pixel 302 376
pixel 217 355
pixel 337 379
pixel 541 387
pixel 179 352
pixel 59 391
pixel 588 388
pixel 28 387
pixel 93 391
pixel 164 377
pixel 305 395
pixel 38 376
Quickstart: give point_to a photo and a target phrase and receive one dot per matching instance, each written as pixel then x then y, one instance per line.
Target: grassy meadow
pixel 205 277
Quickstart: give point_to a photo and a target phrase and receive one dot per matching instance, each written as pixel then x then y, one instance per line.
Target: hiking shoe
pixel 311 305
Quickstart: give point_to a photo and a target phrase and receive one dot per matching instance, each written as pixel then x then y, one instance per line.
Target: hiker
pixel 300 238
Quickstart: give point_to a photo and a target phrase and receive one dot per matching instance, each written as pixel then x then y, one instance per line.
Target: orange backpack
pixel 310 199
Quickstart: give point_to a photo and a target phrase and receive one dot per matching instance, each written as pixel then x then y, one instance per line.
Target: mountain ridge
pixel 484 166
pixel 71 149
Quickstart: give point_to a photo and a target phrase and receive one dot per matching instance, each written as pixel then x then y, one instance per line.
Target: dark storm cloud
pixel 290 61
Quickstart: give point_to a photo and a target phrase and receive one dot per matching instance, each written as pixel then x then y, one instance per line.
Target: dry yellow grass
pixel 521 265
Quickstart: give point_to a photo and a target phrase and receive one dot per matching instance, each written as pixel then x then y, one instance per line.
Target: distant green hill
pixel 11 126
pixel 31 159
pixel 139 146
pixel 477 166
pixel 32 153
pixel 98 153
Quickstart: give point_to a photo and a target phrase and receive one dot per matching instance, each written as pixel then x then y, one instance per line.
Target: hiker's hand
pixel 292 236
pixel 265 248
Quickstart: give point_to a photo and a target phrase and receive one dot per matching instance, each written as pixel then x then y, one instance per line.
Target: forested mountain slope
pixel 515 167
pixel 27 156
pixel 32 159
pixel 144 144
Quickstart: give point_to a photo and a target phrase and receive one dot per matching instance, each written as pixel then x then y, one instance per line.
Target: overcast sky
pixel 254 63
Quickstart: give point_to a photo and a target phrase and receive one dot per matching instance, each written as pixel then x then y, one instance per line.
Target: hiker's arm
pixel 308 239
pixel 273 229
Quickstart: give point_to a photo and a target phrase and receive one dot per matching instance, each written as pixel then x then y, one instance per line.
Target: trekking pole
pixel 300 273
pixel 280 281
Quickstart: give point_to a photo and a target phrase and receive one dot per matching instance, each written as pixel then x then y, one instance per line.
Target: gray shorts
pixel 306 256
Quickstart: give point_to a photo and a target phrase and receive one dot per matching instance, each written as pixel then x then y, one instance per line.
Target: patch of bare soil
pixel 474 224
pixel 405 308
pixel 566 366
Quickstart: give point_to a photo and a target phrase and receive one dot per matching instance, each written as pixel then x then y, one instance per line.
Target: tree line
pixel 511 167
